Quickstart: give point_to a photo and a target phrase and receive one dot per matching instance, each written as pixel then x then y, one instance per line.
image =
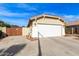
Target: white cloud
pixel 26 7
pixel 65 17
pixel 13 14
pixel 5 13
pixel 71 17
pixel 50 13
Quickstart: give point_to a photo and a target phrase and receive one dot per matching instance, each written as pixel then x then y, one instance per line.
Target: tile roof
pixel 73 23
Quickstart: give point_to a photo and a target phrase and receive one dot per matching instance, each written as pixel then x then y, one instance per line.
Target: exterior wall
pixel 3 29
pixel 14 31
pixel 77 29
pixel 25 31
pixel 63 30
pixel 34 31
pixel 58 30
pixel 49 21
pixel 72 29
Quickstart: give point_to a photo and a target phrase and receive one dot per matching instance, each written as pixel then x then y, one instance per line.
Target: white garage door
pixel 47 30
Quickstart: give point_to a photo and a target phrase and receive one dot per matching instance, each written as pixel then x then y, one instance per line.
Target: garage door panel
pixel 47 30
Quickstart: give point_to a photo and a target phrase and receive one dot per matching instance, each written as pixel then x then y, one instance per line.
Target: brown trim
pixel 51 17
pixel 73 25
pixel 45 16
pixel 48 24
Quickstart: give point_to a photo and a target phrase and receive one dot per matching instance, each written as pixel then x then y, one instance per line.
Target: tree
pixel 4 24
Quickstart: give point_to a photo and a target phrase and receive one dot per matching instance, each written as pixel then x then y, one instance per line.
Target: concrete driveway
pixel 60 46
pixel 18 46
pixel 56 46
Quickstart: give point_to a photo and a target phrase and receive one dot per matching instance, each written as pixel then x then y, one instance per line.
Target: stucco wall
pixel 25 31
pixel 54 27
pixel 3 29
pixel 49 21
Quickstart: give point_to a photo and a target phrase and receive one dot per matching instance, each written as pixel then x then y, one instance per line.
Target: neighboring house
pixel 72 27
pixel 46 26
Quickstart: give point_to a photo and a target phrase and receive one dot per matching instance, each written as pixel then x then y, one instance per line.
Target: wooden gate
pixel 14 31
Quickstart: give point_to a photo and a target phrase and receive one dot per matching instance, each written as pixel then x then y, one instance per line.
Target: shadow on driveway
pixel 11 51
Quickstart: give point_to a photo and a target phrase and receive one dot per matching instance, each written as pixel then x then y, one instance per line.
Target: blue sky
pixel 20 13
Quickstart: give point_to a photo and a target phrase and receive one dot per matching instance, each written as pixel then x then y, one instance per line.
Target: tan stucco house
pixel 46 26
